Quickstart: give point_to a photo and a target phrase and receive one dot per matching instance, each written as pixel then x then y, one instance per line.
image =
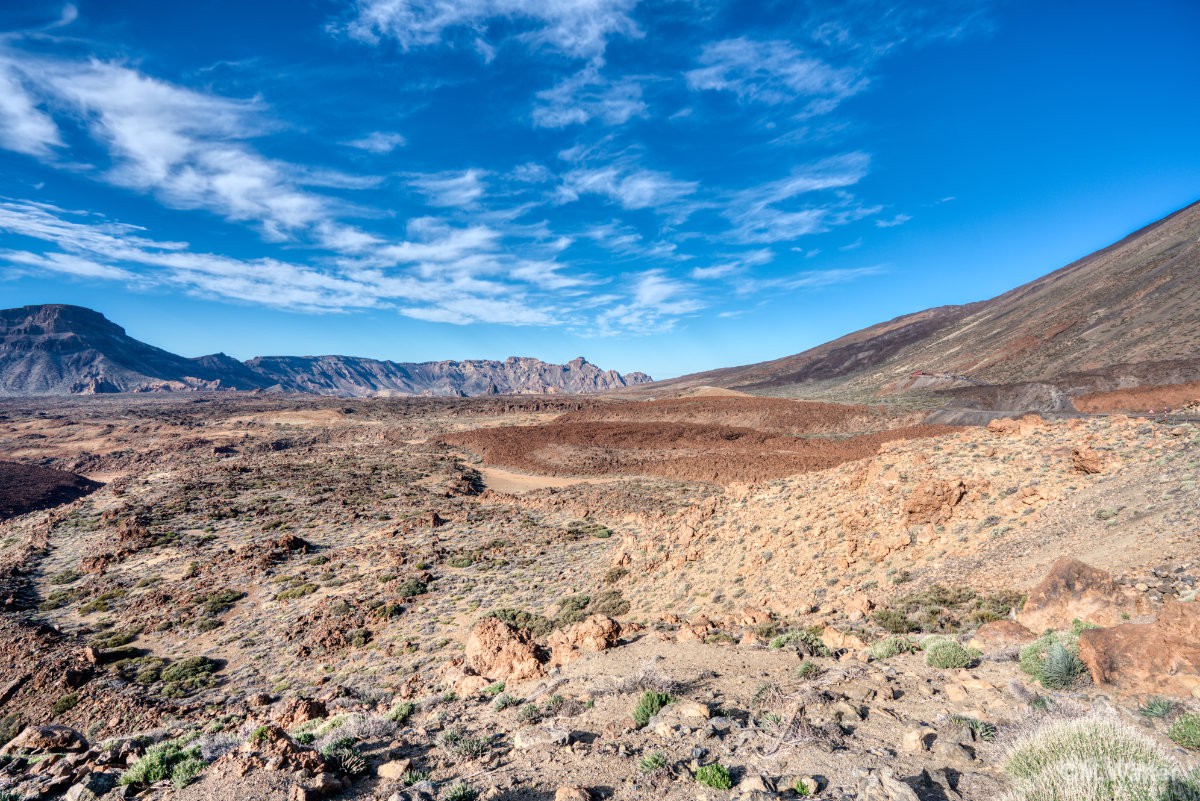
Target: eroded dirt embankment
pixel 1142 399
pixel 722 440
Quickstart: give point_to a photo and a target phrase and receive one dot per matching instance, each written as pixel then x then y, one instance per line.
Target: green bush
pixel 411 777
pixel 1158 707
pixel 411 588
pixel 982 729
pixel 945 609
pixel 162 760
pixel 1185 730
pixel 895 621
pixel 187 771
pixel 401 712
pixel 648 706
pixel 219 602
pixel 504 701
pixel 715 776
pixel 65 704
pixel 808 669
pixel 948 654
pixel 529 713
pixel 533 624
pixel 460 791
pixel 652 763
pixel 1060 669
pixel 69 576
pixel 345 758
pixel 1053 658
pixel 296 591
pixel 806 641
pixel 891 646
pixel 459 746
pixel 188 676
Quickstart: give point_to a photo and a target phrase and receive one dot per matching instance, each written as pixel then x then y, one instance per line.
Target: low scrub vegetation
pixel 1093 759
pixel 649 705
pixel 942 609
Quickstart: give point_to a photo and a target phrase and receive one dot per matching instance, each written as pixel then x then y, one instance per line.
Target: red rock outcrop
pixel 1073 591
pixel 301 710
pixel 1159 657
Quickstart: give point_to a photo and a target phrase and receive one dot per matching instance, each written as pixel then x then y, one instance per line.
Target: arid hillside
pixel 1127 315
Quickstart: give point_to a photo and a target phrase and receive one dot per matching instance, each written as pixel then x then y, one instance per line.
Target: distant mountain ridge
pixel 57 349
pixel 1126 315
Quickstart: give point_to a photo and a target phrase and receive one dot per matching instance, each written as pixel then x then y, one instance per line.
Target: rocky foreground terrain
pixel 720 598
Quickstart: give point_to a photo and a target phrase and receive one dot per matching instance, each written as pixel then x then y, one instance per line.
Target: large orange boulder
pixel 499 652
pixel 1159 657
pixel 1073 591
pixel 596 633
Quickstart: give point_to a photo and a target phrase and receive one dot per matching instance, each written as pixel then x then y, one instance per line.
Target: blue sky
pixel 658 186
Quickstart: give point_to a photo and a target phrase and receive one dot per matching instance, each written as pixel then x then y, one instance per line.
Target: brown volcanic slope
pixel 1129 313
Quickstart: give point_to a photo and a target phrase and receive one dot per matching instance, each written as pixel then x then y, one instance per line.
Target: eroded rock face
pixel 596 633
pixel 41 739
pixel 933 501
pixel 499 652
pixel 1000 634
pixel 1087 461
pixel 836 640
pixel 301 710
pixel 1073 591
pixel 1159 657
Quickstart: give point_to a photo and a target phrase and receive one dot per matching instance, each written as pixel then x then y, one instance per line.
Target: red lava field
pixel 721 440
pixel 25 488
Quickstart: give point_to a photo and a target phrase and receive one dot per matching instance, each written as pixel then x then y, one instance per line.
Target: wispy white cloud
pixel 653 303
pixel 632 188
pixel 761 214
pixel 773 72
pixel 101 249
pixel 899 219
pixel 735 265
pixel 576 27
pixel 810 279
pixel 587 95
pixel 187 148
pixel 625 240
pixel 457 189
pixel 378 142
pixel 24 127
pixel 441 278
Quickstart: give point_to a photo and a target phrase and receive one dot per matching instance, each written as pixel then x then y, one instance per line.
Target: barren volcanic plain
pixel 581 597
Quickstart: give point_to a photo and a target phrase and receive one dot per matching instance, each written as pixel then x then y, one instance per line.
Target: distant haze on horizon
pixel 664 187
